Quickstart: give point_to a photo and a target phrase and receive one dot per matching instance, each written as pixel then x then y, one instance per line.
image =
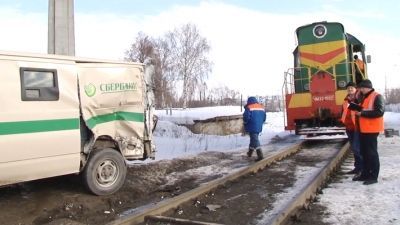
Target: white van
pixel 62 115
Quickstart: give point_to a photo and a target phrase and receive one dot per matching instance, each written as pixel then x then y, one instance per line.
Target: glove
pixel 355 107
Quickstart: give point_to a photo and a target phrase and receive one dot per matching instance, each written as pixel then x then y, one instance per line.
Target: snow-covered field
pixel 174 141
pixel 347 202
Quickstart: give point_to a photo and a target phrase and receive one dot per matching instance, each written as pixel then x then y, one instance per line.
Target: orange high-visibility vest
pixel 360 64
pixel 344 115
pixel 255 106
pixel 370 125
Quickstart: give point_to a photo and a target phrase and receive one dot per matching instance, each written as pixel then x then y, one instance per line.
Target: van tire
pixel 105 172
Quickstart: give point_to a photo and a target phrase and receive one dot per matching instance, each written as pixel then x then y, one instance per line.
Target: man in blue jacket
pixel 253 118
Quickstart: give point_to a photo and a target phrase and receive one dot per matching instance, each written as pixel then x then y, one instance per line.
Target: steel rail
pixel 309 192
pixel 177 220
pixel 165 205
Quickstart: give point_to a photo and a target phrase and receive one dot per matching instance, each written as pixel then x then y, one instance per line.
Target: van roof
pixel 64 57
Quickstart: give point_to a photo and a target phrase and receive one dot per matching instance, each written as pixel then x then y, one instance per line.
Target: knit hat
pixel 365 83
pixel 350 84
pixel 251 100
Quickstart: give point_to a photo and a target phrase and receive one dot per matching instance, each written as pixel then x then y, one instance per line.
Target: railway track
pixel 231 195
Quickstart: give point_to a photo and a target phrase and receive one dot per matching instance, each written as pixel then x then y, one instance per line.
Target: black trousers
pixel 369 152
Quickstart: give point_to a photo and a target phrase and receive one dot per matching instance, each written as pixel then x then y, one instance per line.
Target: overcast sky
pixel 251 41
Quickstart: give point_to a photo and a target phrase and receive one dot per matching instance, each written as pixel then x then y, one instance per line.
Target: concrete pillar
pixel 61 34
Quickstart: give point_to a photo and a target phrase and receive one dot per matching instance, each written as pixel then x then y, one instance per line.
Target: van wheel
pixel 105 172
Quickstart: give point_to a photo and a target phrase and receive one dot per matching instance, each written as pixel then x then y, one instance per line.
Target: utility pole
pixel 241 102
pixel 61 31
pixel 386 90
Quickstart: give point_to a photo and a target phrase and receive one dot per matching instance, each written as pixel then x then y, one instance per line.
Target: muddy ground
pixel 63 200
pixel 253 199
pixel 43 201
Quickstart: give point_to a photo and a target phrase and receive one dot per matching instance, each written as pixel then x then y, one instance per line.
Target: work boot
pixel 353 171
pixel 359 177
pixel 250 152
pixel 259 155
pixel 370 181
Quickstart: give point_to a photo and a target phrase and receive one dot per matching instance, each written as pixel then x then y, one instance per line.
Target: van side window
pixel 39 84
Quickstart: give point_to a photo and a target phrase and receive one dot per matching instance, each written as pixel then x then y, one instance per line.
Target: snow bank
pixel 393 108
pixel 186 116
pixel 392 120
pixel 174 141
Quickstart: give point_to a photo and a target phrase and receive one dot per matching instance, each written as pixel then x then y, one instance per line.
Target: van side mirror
pixel 368 58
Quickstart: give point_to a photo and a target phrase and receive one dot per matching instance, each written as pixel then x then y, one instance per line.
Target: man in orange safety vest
pixel 359 63
pixel 370 114
pixel 348 119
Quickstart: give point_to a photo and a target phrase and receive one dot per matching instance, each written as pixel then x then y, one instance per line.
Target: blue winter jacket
pixel 254 116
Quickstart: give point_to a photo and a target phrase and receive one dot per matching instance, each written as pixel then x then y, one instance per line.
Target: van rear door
pixel 112 101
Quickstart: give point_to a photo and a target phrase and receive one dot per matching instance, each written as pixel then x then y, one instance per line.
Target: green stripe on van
pixel 35 126
pixel 127 116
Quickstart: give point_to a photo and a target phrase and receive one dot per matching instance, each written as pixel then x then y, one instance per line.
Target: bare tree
pixel 145 47
pixel 142 48
pixel 224 96
pixel 392 96
pixel 189 58
pixel 181 55
pixel 164 73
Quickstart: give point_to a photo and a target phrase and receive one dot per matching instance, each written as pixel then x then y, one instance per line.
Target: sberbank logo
pixel 117 87
pixel 90 90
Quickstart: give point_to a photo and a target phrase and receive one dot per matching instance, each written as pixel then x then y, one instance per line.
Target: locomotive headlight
pixel 342 84
pixel 319 31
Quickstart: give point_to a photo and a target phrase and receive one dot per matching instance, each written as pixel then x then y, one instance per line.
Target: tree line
pixel 392 96
pixel 181 59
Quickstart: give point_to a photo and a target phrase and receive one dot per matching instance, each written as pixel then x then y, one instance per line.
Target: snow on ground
pixel 347 202
pixel 392 120
pixel 350 202
pixel 186 116
pixel 304 175
pixel 174 141
pixel 368 204
pixel 203 173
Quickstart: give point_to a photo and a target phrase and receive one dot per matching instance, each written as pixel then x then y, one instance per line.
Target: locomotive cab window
pixel 39 84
